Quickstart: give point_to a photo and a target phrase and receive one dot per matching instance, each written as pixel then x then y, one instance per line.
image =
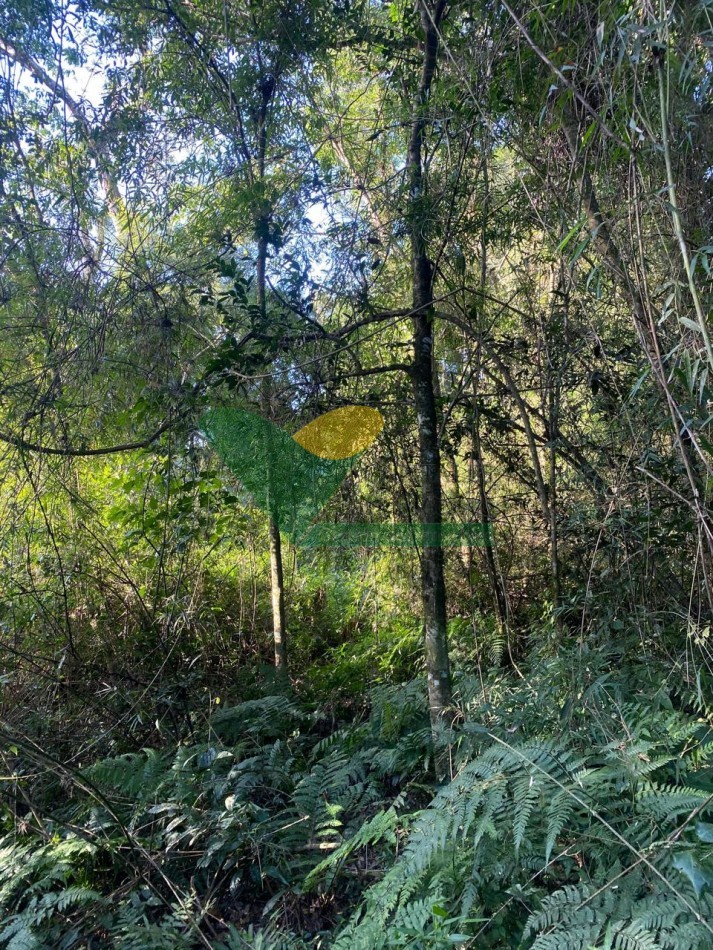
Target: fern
pixel 582 840
pixel 513 806
pixel 381 827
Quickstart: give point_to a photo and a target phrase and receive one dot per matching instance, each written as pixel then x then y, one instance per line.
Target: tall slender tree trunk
pixel 277 579
pixel 496 580
pixel 277 582
pixel 552 492
pixel 433 587
pixel 549 411
pixel 277 587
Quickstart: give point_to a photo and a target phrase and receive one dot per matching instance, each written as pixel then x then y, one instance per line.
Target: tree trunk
pixel 552 491
pixel 433 588
pixel 550 401
pixel 496 580
pixel 277 584
pixel 262 220
pixel 277 588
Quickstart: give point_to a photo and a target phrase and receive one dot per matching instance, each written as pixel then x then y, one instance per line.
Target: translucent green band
pixel 471 534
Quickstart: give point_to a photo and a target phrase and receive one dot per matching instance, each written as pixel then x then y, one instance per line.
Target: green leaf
pixel 589 133
pixel 571 233
pixel 579 250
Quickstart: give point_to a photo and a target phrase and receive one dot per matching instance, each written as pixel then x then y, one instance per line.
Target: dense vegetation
pixel 491 222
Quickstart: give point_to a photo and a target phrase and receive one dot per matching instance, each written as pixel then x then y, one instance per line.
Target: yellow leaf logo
pixel 341 433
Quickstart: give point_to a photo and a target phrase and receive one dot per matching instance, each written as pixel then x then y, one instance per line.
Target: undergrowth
pixel 579 814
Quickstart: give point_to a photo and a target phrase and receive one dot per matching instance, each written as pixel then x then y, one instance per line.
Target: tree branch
pixel 25 446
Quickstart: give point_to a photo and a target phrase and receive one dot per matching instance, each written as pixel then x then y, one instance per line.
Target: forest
pixel 356 474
